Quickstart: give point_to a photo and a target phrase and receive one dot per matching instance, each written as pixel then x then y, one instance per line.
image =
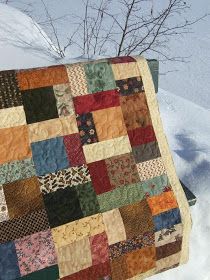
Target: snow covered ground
pixel 185 115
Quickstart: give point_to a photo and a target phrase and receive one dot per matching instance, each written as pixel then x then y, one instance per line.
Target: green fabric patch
pixel 49 273
pixel 120 196
pixel 99 77
pixel 87 199
pixel 16 170
pixel 155 186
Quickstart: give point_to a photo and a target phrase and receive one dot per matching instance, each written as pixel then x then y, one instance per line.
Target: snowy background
pixel 184 100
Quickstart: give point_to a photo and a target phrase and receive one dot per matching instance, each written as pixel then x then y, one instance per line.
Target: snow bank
pixel 22 43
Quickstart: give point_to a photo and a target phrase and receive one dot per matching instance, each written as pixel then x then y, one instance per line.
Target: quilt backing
pixel 88 189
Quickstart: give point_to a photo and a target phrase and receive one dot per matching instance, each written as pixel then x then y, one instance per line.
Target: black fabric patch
pixel 39 104
pixel 10 95
pixel 130 86
pixel 62 206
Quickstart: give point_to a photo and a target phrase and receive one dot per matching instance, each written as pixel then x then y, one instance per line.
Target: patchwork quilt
pixel 88 189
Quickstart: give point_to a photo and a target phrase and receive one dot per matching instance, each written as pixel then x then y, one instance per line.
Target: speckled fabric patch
pixel 87 186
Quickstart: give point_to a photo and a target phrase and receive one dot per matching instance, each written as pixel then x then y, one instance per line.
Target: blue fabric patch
pixel 49 156
pixel 167 219
pixel 9 269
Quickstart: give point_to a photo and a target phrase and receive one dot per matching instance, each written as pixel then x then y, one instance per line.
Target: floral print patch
pixel 122 170
pixel 35 252
pixel 130 86
pixel 99 77
pixel 87 130
pixel 64 100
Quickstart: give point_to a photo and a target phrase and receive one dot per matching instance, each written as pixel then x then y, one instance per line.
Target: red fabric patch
pixel 96 101
pixel 99 176
pixel 99 248
pixel 141 135
pixel 95 272
pixel 74 149
pixel 122 59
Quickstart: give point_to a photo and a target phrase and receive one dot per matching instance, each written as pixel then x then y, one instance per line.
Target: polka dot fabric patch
pixel 87 186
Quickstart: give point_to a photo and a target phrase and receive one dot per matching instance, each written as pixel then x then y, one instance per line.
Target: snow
pixel 185 115
pixel 188 132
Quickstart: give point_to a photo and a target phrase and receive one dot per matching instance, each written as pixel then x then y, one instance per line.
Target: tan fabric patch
pixel 150 169
pixel 125 70
pixel 14 144
pixel 13 116
pixel 74 231
pixel 107 148
pixel 168 261
pixel 109 123
pixel 74 257
pixel 52 128
pixel 77 79
pixel 114 226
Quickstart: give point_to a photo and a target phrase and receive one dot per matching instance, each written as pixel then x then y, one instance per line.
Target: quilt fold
pixel 88 187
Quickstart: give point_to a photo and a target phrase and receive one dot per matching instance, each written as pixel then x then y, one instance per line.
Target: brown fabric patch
pixel 14 144
pixel 135 111
pixel 140 261
pixel 42 77
pixel 168 249
pixel 118 268
pixel 137 219
pixel 23 197
pixel 10 95
pixel 26 225
pixel 122 170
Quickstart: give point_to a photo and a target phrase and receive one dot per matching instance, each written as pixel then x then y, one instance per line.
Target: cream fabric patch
pixel 52 128
pixel 168 261
pixel 150 169
pixel 3 206
pixel 77 230
pixel 107 148
pixel 77 79
pixel 13 116
pixel 114 226
pixel 74 257
pixel 125 70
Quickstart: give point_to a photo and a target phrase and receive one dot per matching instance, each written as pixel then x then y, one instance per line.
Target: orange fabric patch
pixel 109 123
pixel 42 77
pixel 14 144
pixel 135 111
pixel 140 261
pixel 162 202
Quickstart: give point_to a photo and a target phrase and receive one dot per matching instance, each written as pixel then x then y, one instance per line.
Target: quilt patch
pixel 87 187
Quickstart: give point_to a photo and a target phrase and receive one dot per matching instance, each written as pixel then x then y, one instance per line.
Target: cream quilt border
pixel 166 155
